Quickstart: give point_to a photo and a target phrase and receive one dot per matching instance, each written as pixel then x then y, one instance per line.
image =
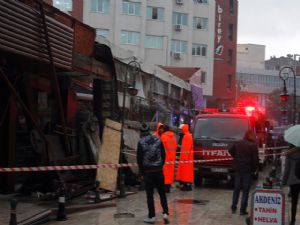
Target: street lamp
pixel 284 74
pixel 133 69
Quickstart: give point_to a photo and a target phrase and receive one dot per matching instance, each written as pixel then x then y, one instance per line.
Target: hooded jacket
pixel 185 171
pixel 289 177
pixel 156 133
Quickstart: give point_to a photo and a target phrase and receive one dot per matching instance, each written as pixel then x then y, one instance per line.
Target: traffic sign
pixel 268 207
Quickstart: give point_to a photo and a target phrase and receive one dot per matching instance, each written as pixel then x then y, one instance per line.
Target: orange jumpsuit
pixel 170 144
pixel 185 171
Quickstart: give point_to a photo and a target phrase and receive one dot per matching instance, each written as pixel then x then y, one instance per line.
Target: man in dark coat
pixel 150 159
pixel 245 163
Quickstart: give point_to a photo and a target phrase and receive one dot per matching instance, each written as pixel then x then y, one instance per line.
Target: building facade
pixel 177 33
pixel 256 83
pixel 225 51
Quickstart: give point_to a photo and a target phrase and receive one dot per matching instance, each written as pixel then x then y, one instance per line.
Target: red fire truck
pixel 214 132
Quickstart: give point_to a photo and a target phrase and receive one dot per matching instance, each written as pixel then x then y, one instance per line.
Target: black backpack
pixel 297 168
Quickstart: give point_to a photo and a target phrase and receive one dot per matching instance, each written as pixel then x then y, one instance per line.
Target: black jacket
pixel 150 154
pixel 245 156
pixel 289 177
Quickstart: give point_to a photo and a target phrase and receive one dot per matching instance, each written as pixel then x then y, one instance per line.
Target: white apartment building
pixel 176 33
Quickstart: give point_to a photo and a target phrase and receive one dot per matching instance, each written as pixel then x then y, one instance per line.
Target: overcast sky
pixel 273 23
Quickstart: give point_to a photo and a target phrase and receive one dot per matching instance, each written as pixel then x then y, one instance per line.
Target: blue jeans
pixel 241 181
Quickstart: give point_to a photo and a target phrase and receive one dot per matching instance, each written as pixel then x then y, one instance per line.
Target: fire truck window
pixel 221 128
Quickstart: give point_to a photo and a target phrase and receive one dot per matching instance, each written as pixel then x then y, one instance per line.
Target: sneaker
pixel 150 220
pixel 233 211
pixel 243 213
pixel 179 186
pixel 166 218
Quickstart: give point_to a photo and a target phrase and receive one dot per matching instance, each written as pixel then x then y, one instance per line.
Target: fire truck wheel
pixel 198 180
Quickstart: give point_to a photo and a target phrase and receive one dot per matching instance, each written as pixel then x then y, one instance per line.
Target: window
pixel 100 6
pixel 230 54
pixel 130 37
pixel 63 5
pixel 102 32
pixel 231 7
pixel 203 77
pixel 154 13
pixel 131 8
pixel 199 50
pixel 200 23
pixel 220 128
pixel 200 1
pixel 230 32
pixel 229 81
pixel 161 87
pixel 175 92
pixel 153 42
pixel 180 18
pixel 179 46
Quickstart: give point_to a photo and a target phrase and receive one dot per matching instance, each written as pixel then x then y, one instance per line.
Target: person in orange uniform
pixel 159 130
pixel 185 171
pixel 170 144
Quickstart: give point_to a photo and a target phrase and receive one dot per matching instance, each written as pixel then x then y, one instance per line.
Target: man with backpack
pixel 291 177
pixel 151 159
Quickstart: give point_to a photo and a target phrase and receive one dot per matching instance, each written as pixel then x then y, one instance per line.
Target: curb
pixel 38 218
pixel 46 215
pixel 74 209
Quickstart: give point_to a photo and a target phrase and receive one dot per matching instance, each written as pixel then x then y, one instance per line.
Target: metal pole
pixel 134 69
pixel 121 175
pixel 294 98
pixel 55 80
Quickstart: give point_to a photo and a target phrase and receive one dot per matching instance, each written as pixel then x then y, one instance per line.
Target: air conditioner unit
pixel 179 2
pixel 176 55
pixel 177 27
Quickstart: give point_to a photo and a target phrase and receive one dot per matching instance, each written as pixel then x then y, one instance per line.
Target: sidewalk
pixel 26 208
pixel 29 207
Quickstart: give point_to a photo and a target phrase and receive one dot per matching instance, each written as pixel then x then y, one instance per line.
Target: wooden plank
pixel 109 153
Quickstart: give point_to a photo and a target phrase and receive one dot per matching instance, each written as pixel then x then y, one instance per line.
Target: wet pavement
pixel 26 208
pixel 208 205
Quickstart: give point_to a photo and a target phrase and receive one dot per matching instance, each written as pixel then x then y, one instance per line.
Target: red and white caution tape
pixel 88 167
pixel 114 166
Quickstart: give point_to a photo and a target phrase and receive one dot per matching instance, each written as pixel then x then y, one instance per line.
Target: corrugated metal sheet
pixel 22 33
